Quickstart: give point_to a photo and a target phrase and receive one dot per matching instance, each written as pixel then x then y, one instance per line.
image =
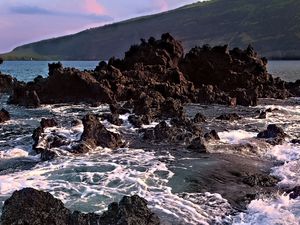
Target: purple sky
pixel 25 21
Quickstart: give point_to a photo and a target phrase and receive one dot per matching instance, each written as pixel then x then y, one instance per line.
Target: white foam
pixel 16 152
pixel 235 136
pixel 278 211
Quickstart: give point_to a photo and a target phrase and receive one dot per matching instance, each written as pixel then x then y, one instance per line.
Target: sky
pixel 26 21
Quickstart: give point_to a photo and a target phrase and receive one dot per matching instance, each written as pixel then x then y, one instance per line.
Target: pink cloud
pixel 93 7
pixel 162 5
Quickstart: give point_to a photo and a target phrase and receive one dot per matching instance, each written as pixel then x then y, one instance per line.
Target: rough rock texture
pixel 212 136
pixel 4 116
pixel 274 134
pixel 240 73
pixel 295 192
pixel 7 83
pixel 32 207
pixel 95 134
pixel 157 70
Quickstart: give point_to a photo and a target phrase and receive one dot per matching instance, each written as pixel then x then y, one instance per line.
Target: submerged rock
pixel 4 116
pixel 30 206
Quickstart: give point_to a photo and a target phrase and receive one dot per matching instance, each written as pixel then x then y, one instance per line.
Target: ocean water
pixel 28 70
pixel 90 182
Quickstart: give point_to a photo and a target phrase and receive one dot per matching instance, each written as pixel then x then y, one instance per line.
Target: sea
pixel 89 182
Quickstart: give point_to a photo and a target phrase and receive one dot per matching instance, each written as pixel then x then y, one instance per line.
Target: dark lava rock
pixel 273 132
pixel 129 211
pixel 113 118
pixel 47 155
pixel 199 118
pixel 117 109
pixel 167 52
pixel 212 136
pixel 32 207
pixel 229 117
pixel 36 136
pixel 262 115
pixel 23 96
pixel 138 121
pixel 48 123
pixel 295 192
pixel 95 134
pixel 261 180
pixel 295 141
pixel 156 70
pixel 198 145
pixel 180 133
pixel 4 116
pixel 7 83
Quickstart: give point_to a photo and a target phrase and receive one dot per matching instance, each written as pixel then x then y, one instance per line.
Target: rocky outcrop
pixel 242 74
pixel 42 144
pixel 212 136
pixel 30 206
pixel 8 83
pixel 4 116
pixel 156 70
pixel 274 134
pixel 95 134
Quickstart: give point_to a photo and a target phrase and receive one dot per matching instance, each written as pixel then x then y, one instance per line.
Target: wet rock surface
pixel 158 69
pixel 4 115
pixel 95 134
pixel 30 206
pixel 275 135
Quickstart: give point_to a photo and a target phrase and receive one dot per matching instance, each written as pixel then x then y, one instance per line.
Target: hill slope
pixel 271 26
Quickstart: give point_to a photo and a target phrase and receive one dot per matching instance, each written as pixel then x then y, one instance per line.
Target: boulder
pixel 275 135
pixel 30 206
pixel 48 123
pixel 95 134
pixel 295 192
pixel 212 136
pixel 198 145
pixel 113 118
pixel 273 131
pixel 8 83
pixel 261 180
pixel 199 118
pixel 24 96
pixel 167 51
pixel 4 116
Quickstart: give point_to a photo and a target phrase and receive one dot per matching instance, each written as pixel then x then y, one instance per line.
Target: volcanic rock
pixel 4 116
pixel 30 206
pixel 95 134
pixel 275 135
pixel 198 145
pixel 212 136
pixel 199 118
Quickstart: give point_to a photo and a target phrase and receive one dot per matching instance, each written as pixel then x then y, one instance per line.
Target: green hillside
pixel 271 26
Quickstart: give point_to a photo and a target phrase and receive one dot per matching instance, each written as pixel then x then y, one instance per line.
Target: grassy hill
pixel 271 26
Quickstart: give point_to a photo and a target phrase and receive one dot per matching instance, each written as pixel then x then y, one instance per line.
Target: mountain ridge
pixel 271 26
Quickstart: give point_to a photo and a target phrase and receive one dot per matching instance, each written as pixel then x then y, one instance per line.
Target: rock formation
pixel 30 206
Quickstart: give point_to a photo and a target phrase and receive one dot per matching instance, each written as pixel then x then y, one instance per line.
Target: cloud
pixel 93 7
pixel 30 10
pixel 33 10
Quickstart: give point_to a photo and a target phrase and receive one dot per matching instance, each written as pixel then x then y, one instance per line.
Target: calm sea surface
pixel 28 70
